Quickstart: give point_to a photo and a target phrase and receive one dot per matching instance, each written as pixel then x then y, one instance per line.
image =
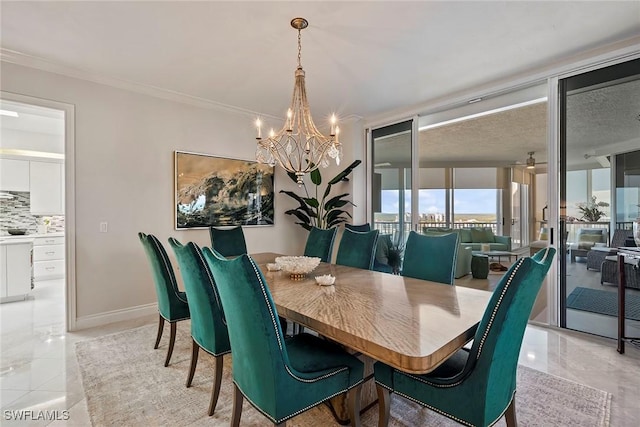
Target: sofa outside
pixel 471 239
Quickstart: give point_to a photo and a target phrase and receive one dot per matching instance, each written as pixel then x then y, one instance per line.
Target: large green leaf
pixel 342 175
pixel 334 202
pixel 299 214
pixel 311 201
pixel 316 177
pixel 300 200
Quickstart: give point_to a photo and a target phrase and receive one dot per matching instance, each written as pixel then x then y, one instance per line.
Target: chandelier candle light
pixel 299 147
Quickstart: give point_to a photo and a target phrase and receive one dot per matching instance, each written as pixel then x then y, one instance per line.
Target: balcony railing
pixel 393 227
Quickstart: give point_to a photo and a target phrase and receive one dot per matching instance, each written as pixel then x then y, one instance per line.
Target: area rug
pixel 603 302
pixel 126 384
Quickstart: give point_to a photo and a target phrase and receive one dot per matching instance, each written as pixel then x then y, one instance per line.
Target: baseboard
pixel 105 318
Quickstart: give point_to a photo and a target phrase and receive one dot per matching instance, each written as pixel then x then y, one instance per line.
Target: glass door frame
pixel 559 88
pixel 414 173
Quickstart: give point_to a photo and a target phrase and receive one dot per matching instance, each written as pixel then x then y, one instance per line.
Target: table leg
pixel 369 396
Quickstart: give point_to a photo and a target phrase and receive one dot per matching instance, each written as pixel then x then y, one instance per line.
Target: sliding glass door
pixel 599 191
pixel 391 179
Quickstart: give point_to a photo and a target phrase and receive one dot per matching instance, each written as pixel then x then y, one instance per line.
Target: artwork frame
pixel 213 191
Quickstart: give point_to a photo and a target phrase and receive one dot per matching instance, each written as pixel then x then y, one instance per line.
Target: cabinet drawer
pixel 48 269
pixel 48 252
pixel 53 240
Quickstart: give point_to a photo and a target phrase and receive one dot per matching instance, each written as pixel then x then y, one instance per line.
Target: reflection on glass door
pixel 516 224
pixel 599 132
pixel 391 180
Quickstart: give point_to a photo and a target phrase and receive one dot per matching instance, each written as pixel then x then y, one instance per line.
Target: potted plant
pixel 321 211
pixel 591 210
pixel 394 257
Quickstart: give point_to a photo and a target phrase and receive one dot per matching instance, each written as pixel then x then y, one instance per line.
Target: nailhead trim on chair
pixel 446 414
pixel 493 314
pixel 264 294
pixel 484 336
pixel 175 320
pixel 495 309
pixel 298 411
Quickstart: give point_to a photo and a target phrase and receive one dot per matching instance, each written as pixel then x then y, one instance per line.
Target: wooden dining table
pixel 413 325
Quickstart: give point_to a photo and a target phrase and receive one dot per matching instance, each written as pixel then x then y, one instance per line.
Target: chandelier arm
pixel 299 147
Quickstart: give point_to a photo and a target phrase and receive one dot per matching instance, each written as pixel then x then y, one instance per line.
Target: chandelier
pixel 299 147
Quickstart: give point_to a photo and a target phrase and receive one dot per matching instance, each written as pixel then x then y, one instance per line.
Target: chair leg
pixel 353 404
pixel 217 380
pixel 237 406
pixel 172 341
pixel 383 406
pixel 510 414
pixel 195 348
pixel 160 329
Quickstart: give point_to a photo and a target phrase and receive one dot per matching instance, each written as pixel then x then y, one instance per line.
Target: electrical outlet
pixel 104 227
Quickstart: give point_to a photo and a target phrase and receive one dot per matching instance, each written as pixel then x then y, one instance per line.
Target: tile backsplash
pixel 15 213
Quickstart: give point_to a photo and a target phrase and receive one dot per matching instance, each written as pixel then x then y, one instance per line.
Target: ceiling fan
pixel 530 162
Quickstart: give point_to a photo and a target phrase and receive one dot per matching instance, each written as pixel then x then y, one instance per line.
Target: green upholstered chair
pixel 208 327
pixel 382 250
pixel 429 257
pixel 228 241
pixel 320 243
pixel 476 387
pixel 360 227
pixel 357 249
pixel 279 377
pixel 172 303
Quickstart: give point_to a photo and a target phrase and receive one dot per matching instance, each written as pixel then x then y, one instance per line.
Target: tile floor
pixel 39 371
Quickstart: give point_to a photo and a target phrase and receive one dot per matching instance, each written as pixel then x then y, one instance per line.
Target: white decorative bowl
pixel 325 280
pixel 272 266
pixel 297 266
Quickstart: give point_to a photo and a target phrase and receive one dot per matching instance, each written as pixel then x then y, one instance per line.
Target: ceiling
pixel 361 58
pixel 600 121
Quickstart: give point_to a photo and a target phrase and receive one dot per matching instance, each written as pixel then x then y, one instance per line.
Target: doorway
pixel 38 139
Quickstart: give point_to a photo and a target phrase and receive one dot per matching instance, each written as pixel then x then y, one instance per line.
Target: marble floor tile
pixel 39 370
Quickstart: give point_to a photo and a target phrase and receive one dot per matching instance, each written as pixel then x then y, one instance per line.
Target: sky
pixel 477 201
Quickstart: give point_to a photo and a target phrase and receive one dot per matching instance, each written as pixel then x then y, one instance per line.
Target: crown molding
pixel 31 61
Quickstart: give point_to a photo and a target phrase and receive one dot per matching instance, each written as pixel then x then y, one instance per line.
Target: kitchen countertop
pixel 16 241
pixel 30 237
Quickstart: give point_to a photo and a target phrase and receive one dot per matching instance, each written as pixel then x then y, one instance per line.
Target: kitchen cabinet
pixel 14 175
pixel 15 269
pixel 46 182
pixel 48 257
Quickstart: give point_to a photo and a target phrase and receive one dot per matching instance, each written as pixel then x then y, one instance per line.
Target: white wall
pixel 124 144
pixel 33 141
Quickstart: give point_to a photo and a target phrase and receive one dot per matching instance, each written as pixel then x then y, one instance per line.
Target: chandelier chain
pixel 299 47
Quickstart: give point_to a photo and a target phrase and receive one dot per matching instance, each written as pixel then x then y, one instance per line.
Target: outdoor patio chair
pixel 597 254
pixel 587 238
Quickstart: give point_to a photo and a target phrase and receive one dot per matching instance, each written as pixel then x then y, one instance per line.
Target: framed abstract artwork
pixel 217 191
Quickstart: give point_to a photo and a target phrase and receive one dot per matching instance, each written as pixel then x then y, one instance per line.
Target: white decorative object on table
pixel 272 266
pixel 297 266
pixel 325 280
